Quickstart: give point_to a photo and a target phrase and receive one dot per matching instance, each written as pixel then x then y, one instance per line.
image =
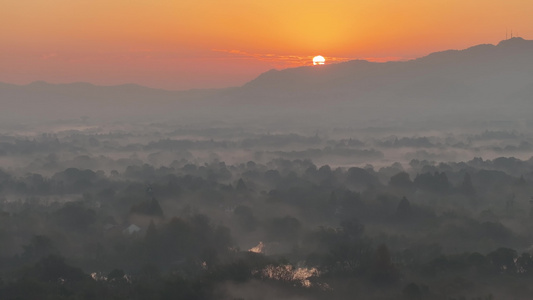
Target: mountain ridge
pixel 509 43
pixel 490 78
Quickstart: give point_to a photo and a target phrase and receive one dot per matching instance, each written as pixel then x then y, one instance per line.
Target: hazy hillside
pixel 480 75
pixel 484 81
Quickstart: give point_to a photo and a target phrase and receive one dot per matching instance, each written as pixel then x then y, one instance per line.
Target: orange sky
pixel 177 44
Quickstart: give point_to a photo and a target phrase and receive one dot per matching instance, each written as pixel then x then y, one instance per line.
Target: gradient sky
pixel 179 44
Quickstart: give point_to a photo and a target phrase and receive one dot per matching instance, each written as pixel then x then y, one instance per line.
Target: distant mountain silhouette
pixel 484 81
pixel 503 70
pixel 41 100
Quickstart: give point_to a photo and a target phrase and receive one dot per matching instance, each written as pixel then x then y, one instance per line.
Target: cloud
pixel 47 56
pixel 275 59
pixel 284 61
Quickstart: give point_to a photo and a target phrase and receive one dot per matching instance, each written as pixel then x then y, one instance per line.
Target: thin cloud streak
pixel 285 61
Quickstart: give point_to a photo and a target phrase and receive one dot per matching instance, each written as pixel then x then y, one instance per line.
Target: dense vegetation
pixel 227 214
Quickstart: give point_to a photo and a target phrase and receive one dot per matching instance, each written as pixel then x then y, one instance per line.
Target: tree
pixel 401 180
pixel 524 264
pixel 412 291
pixel 384 271
pixel 404 209
pixel 149 208
pixel 436 182
pixel 285 228
pixel 245 218
pixel 151 235
pixel 75 216
pixel 466 187
pixel 115 274
pixel 352 229
pixel 503 260
pixel 241 186
pixel 53 267
pixel 40 246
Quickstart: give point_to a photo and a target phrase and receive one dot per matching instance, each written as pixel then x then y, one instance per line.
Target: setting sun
pixel 318 60
pixel 216 44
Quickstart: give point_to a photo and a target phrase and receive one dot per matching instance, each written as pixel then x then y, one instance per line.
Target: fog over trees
pixel 402 180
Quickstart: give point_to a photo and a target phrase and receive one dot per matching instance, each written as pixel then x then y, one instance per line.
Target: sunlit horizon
pixel 177 46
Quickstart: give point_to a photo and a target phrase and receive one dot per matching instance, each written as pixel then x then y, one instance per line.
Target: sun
pixel 319 60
